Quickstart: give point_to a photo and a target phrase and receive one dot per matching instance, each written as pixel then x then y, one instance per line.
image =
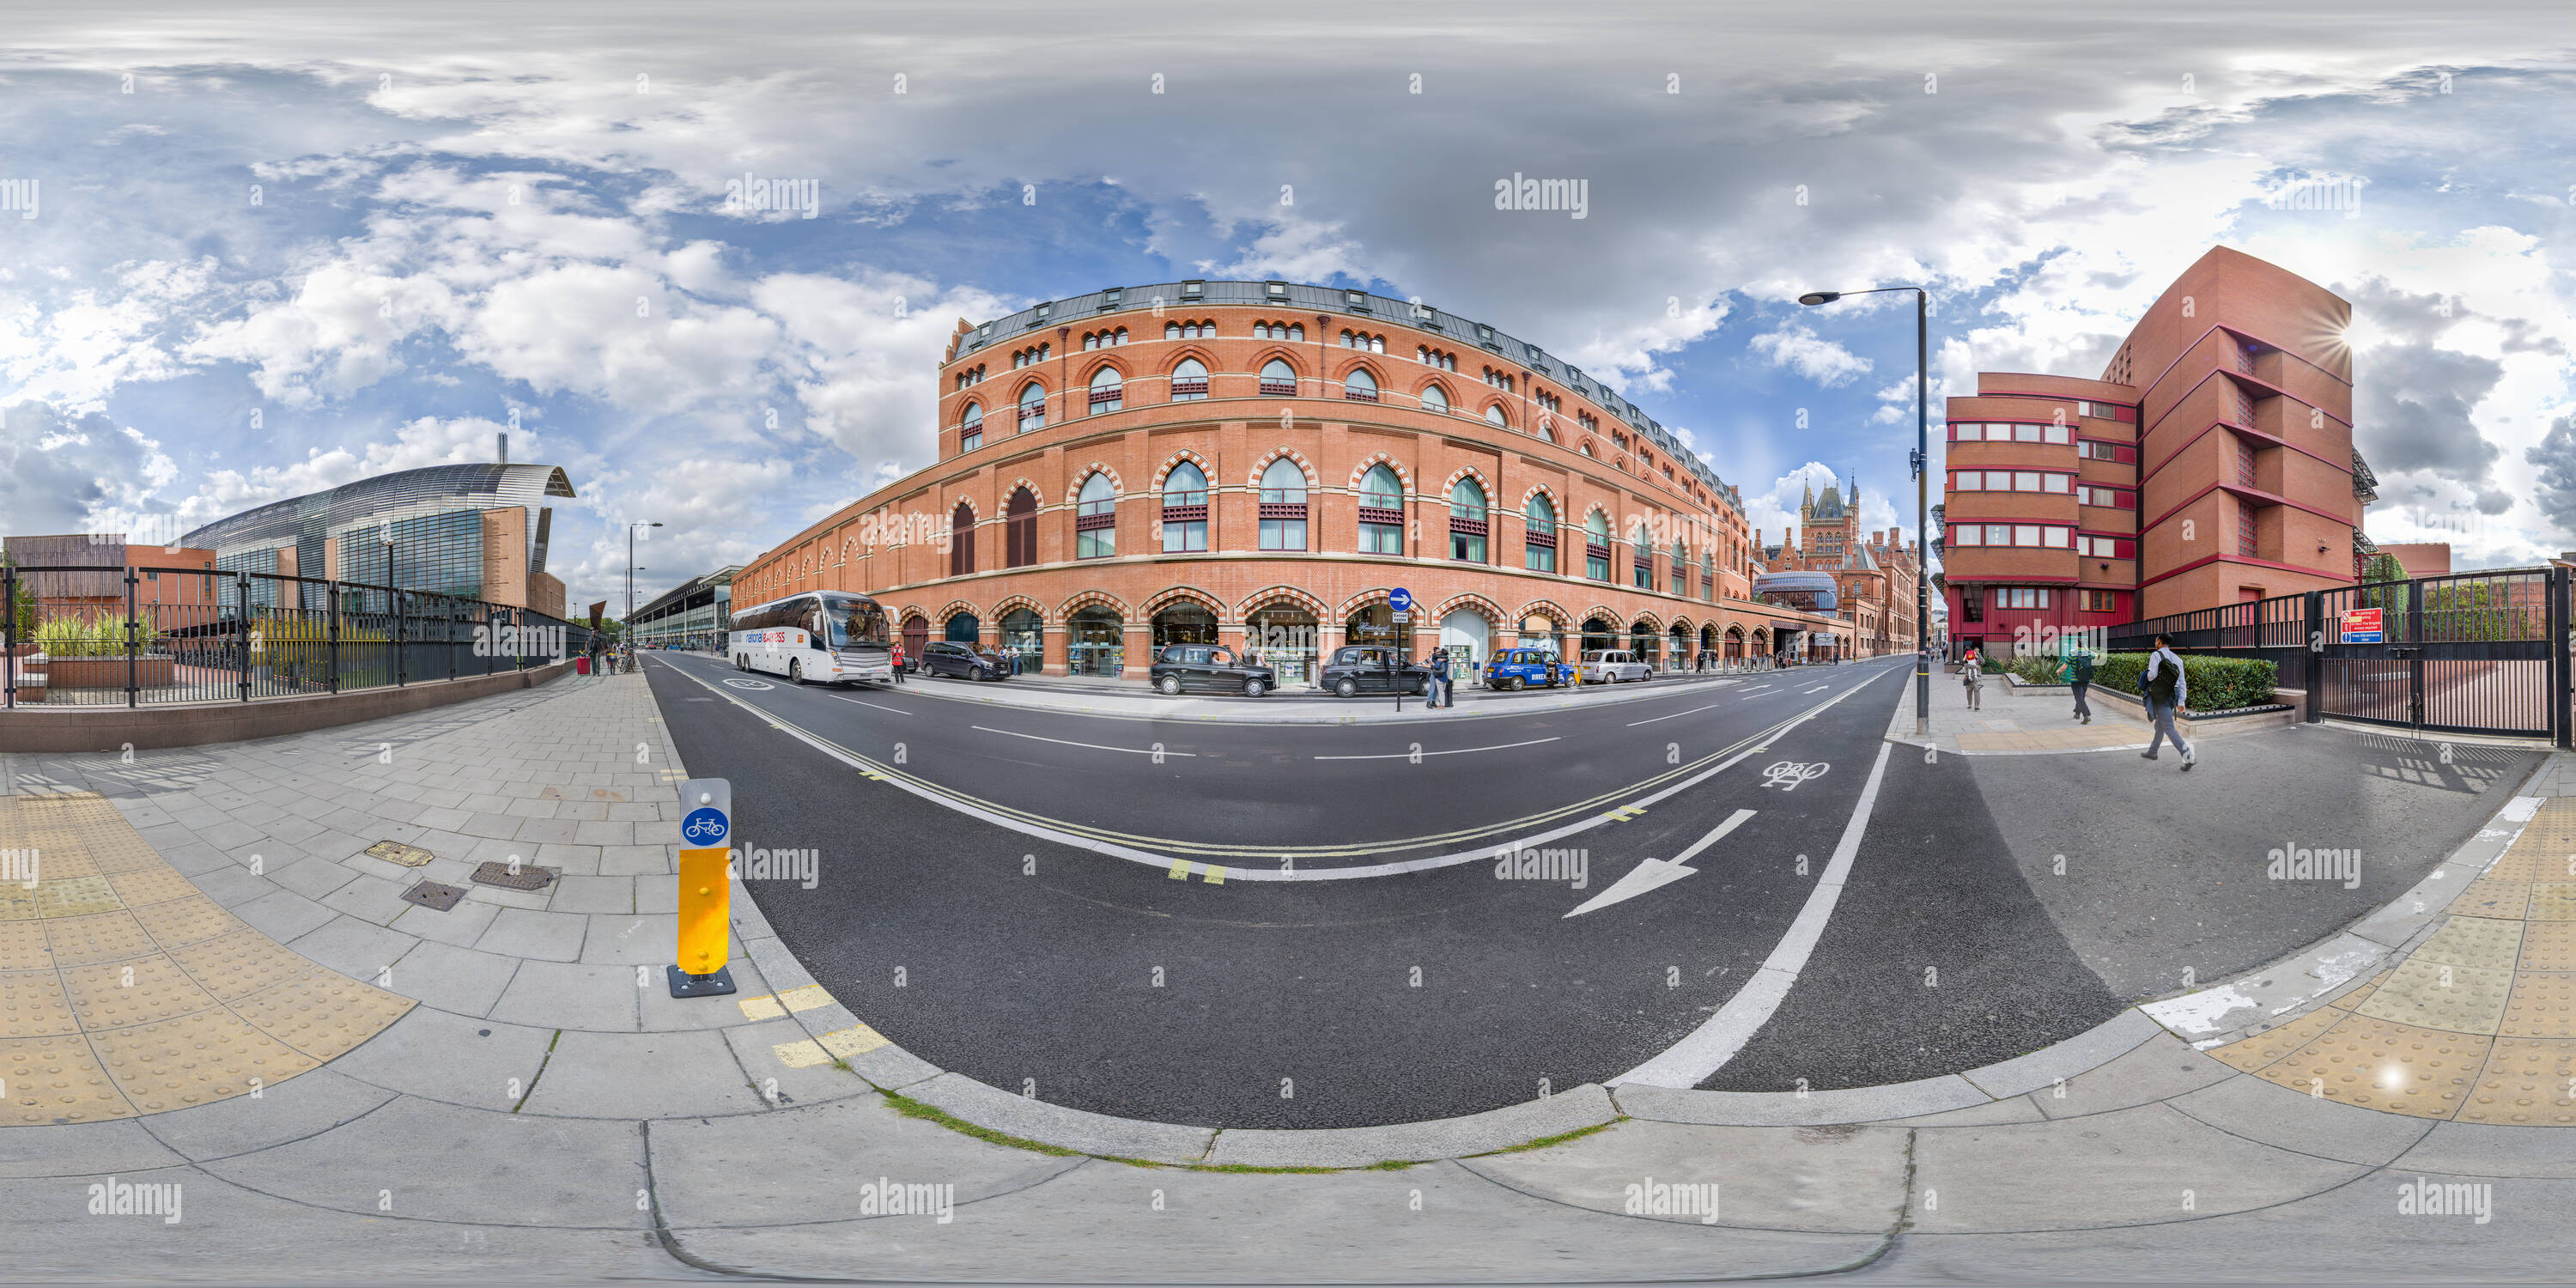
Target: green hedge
pixel 2215 683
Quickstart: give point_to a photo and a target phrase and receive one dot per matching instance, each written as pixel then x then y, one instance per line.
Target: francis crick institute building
pixel 1260 464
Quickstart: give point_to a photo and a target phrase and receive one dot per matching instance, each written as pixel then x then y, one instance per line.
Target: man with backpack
pixel 2166 691
pixel 2079 673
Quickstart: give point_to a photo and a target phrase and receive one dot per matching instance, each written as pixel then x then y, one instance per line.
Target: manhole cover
pixel 410 856
pixel 434 896
pixel 526 878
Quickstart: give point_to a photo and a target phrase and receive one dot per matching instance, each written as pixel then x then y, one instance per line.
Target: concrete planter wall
pixel 64 728
pixel 107 672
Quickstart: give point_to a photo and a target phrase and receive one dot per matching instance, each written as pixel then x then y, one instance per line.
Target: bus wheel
pixel 796 671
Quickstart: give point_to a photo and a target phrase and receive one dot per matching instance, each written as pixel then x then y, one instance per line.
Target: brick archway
pixel 1387 459
pixel 1280 594
pixel 1082 475
pixel 1164 471
pixel 1313 481
pixel 1171 595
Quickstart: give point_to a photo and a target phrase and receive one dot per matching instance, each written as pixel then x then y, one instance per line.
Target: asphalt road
pixel 996 896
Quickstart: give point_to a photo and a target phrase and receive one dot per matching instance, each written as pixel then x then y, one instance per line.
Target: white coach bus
pixel 830 637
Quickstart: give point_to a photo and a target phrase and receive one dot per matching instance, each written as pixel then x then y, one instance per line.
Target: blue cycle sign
pixel 705 828
pixel 1400 599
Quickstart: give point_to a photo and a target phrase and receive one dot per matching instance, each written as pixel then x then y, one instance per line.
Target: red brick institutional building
pixel 2211 463
pixel 1260 463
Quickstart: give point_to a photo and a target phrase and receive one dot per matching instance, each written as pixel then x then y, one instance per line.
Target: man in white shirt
pixel 2167 692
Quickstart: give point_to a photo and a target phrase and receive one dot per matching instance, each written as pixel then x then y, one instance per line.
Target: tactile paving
pixel 32 1005
pixel 177 923
pixel 112 995
pixel 2473 941
pixel 322 1013
pixel 2489 897
pixel 56 1080
pixel 194 1059
pixel 2553 901
pixel 18 904
pixel 2439 995
pixel 2529 861
pixel 2543 1006
pixel 99 937
pixel 148 887
pixel 2526 1082
pixel 2250 1054
pixel 2359 993
pixel 75 897
pixel 237 965
pixel 2395 1068
pixel 2545 945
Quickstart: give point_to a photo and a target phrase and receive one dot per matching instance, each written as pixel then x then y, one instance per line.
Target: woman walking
pixel 1972 677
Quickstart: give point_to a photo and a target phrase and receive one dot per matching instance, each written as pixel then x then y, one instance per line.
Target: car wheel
pixel 1346 688
pixel 1170 685
pixel 1254 688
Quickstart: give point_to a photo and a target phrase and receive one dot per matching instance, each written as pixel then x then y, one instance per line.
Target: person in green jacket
pixel 2078 671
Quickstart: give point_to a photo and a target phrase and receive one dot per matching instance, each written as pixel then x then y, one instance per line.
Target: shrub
pixel 2215 683
pixel 93 637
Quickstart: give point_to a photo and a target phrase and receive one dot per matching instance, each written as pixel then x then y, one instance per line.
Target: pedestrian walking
pixel 2166 692
pixel 2079 673
pixel 1972 677
pixel 898 663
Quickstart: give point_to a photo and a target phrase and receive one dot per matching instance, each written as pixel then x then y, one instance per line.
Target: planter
pixel 107 672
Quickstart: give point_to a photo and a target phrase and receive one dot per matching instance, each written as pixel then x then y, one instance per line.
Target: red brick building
pixel 1260 463
pixel 2212 462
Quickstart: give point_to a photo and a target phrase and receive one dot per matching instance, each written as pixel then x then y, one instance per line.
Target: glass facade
pixel 438 553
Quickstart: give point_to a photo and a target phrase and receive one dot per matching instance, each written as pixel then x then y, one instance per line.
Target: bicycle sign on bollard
pixel 705 926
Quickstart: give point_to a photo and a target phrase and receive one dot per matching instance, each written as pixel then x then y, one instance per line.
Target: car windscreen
pixel 858 624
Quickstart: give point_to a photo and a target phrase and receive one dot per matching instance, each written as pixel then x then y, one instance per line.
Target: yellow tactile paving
pixel 2353 997
pixel 2263 1048
pixel 2396 1068
pixel 2553 901
pixel 2545 946
pixel 2473 941
pixel 2526 1082
pixel 2439 995
pixel 125 990
pixel 2543 1006
pixel 2488 897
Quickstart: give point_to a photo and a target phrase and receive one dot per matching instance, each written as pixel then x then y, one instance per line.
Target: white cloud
pixel 1800 350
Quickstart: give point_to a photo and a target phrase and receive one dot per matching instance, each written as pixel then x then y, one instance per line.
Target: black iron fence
pixel 132 636
pixel 2477 652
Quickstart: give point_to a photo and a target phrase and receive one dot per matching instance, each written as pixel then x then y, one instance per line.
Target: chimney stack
pixel 504 436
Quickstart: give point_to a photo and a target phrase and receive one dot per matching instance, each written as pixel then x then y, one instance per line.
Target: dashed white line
pixel 1133 751
pixel 1710 707
pixel 1454 751
pixel 878 705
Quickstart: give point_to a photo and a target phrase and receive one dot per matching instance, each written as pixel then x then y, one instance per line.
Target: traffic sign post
pixel 706 926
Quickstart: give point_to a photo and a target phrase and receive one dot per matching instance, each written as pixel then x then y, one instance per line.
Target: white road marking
pixel 1706 1049
pixel 878 705
pixel 1710 707
pixel 1454 751
pixel 1659 872
pixel 1133 751
pixel 1818 689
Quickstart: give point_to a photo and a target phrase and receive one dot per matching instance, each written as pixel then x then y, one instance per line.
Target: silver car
pixel 1610 666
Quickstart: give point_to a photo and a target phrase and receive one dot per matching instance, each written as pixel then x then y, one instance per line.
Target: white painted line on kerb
pixel 1706 1049
pixel 878 705
pixel 1710 707
pixel 1454 751
pixel 1133 751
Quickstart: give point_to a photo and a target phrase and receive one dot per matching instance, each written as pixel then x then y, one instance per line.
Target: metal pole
pixel 9 635
pixel 331 604
pixel 133 643
pixel 1922 512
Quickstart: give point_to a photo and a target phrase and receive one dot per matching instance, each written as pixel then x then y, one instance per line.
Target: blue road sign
pixel 1400 599
pixel 704 828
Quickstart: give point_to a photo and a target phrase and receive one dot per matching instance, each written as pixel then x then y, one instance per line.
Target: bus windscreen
pixel 858 624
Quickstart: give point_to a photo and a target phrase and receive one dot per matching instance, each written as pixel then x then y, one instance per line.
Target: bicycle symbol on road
pixel 1787 774
pixel 748 684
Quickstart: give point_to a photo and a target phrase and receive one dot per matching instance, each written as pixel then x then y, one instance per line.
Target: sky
pixel 250 254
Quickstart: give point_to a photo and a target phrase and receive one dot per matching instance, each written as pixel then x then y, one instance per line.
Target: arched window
pixel 961 540
pixel 1297 332
pixel 1122 336
pixel 1596 546
pixel 1467 521
pixel 970 430
pixel 1032 406
pixel 1494 415
pixel 1020 530
pixel 1642 570
pixel 1171 330
pixel 1381 512
pixel 1359 385
pixel 1184 510
pixel 1546 429
pixel 1538 534
pixel 1108 390
pixel 1376 344
pixel 1681 568
pixel 1435 398
pixel 1283 506
pixel 1277 377
pixel 1189 380
pixel 1095 519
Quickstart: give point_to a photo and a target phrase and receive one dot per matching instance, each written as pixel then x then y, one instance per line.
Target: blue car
pixel 1519 668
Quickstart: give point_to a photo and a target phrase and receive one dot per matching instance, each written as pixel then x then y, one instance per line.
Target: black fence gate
pixel 2471 653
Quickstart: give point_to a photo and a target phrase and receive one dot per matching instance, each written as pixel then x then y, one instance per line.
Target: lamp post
pixel 626 627
pixel 1922 487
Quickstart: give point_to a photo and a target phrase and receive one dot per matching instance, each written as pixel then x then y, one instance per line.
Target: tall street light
pixel 1922 487
pixel 626 628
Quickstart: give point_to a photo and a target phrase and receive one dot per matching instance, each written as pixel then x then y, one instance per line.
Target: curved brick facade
pixel 1024 546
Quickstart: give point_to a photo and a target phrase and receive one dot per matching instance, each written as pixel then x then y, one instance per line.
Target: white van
pixel 1609 666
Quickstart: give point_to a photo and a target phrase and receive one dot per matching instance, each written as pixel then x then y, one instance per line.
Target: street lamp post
pixel 626 628
pixel 1922 488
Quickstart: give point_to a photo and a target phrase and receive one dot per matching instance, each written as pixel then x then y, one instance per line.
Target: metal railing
pixel 201 635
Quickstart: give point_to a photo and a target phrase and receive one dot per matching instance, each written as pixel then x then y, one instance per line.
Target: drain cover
pixel 410 856
pixel 434 896
pixel 527 878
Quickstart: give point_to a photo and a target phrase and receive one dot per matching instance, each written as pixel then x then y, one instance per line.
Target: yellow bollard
pixel 705 920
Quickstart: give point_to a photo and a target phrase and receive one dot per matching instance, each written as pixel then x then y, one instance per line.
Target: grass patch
pixel 1560 1138
pixel 1257 1169
pixel 911 1108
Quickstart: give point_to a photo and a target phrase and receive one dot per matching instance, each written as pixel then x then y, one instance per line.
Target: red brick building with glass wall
pixel 2211 463
pixel 1259 463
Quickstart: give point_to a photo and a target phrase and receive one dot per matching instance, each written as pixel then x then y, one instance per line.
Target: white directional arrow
pixel 1659 872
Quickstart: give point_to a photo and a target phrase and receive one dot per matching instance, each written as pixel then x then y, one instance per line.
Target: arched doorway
pixel 916 637
pixel 1024 638
pixel 1734 643
pixel 1467 638
pixel 1680 655
pixel 1538 630
pixel 1644 642
pixel 1599 635
pixel 1283 635
pixel 964 628
pixel 1095 641
pixel 1184 621
pixel 1374 624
